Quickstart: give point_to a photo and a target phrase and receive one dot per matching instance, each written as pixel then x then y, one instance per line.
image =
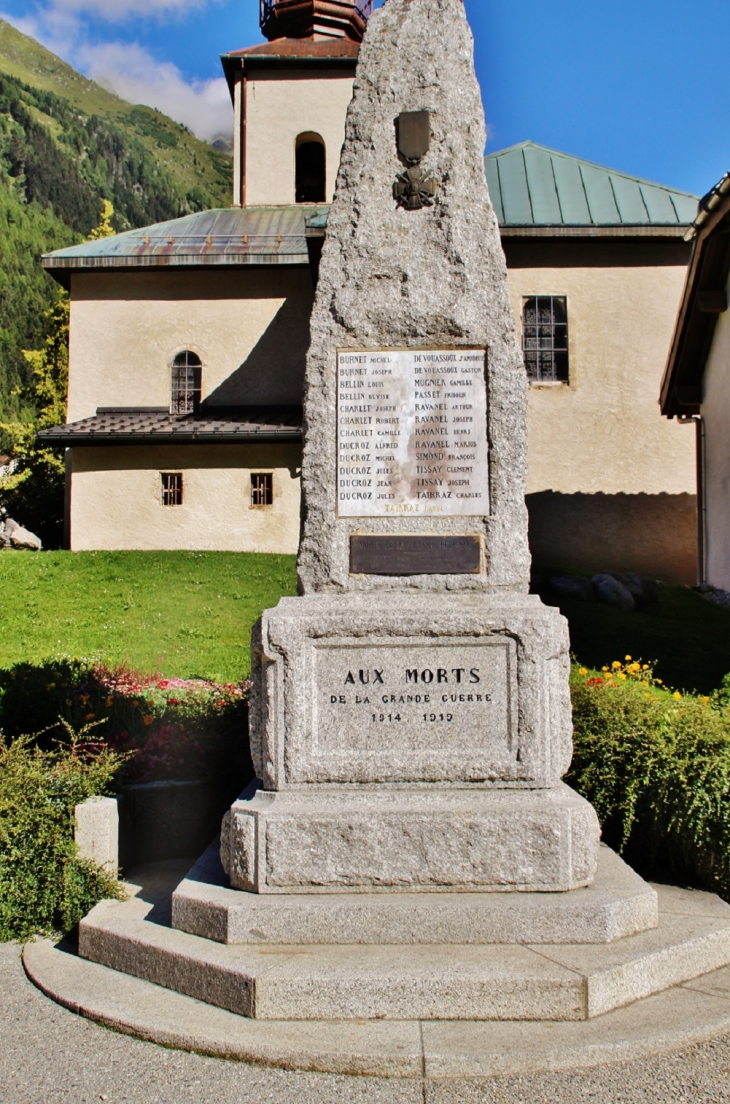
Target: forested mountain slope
pixel 66 144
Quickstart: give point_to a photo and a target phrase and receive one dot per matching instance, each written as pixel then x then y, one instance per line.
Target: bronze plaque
pixel 415 555
pixel 414 134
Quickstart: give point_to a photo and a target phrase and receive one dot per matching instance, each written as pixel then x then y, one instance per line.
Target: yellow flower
pixel 583 671
pixel 659 682
pixel 706 701
pixel 622 677
pixel 616 665
pixel 628 659
pixel 604 668
pixel 645 667
pixel 677 696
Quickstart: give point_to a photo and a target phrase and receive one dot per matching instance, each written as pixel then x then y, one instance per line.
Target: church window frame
pixel 262 490
pixel 172 488
pixel 310 179
pixel 186 382
pixel 545 338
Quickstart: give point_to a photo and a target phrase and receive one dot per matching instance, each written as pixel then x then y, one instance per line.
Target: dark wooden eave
pixel 703 300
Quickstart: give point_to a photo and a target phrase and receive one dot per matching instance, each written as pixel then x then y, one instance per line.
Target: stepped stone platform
pixel 171 992
pixel 532 979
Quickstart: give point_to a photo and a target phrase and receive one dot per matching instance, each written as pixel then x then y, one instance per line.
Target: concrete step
pixel 509 981
pixel 617 904
pixel 675 1018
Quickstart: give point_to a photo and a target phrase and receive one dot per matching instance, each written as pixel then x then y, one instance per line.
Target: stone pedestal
pixel 411 741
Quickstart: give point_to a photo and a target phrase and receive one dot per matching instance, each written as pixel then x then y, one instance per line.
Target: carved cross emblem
pixel 414 188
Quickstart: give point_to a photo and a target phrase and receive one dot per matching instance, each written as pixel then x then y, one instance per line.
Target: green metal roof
pixel 532 185
pixel 236 236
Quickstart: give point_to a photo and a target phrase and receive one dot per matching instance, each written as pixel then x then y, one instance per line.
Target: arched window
pixel 311 169
pixel 185 383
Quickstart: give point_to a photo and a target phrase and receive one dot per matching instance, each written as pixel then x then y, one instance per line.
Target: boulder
pixel 23 538
pixel 573 586
pixel 644 589
pixel 611 592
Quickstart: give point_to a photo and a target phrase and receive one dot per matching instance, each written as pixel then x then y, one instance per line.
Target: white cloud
pixel 118 10
pixel 135 75
pixel 130 70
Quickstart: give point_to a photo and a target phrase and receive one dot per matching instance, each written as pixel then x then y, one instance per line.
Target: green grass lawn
pixel 687 635
pixel 190 614
pixel 186 614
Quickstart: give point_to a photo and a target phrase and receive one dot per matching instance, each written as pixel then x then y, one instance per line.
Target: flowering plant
pixel 174 728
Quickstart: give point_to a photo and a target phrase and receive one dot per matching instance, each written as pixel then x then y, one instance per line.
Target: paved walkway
pixel 49 1055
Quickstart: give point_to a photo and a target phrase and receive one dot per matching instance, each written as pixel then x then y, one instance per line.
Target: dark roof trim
pixel 592 231
pixel 61 269
pixel 155 425
pixel 702 300
pixel 236 64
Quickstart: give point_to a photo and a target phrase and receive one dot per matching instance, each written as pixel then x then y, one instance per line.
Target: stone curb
pixel 675 1018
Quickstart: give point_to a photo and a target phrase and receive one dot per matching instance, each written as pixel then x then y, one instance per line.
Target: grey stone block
pixel 410 838
pixel 617 904
pixel 431 982
pixel 411 688
pixel 611 592
pixel 96 831
pixel 573 586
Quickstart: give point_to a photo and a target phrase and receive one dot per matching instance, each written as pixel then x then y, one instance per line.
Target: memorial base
pixel 410 838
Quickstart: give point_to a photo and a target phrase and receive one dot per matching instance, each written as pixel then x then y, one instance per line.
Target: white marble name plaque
pixel 412 433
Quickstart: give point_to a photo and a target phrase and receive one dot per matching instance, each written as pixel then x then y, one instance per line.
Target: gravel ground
pixel 49 1055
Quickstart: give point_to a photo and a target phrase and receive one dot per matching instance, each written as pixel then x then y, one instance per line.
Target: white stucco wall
pixel 716 412
pixel 116 500
pixel 279 107
pixel 250 329
pixel 604 432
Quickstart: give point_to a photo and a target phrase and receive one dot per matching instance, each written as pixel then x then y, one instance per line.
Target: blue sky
pixel 637 85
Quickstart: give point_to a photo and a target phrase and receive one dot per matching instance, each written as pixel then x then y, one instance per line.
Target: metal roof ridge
pixel 592 164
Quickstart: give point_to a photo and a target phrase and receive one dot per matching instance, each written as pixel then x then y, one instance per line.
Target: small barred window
pixel 545 338
pixel 262 489
pixel 172 488
pixel 185 383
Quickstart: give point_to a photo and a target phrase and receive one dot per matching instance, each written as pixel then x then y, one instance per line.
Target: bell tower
pixel 316 19
pixel 290 96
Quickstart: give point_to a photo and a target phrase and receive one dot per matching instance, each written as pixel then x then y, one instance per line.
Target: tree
pixel 33 491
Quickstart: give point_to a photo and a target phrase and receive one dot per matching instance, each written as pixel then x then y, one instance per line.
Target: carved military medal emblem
pixel 416 187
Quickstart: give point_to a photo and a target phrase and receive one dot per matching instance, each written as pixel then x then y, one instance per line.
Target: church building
pixel 188 339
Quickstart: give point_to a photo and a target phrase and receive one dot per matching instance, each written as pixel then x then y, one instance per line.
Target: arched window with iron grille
pixel 311 169
pixel 185 383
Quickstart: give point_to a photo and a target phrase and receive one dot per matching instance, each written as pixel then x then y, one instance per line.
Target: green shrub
pixel 656 766
pixel 45 886
pixel 182 729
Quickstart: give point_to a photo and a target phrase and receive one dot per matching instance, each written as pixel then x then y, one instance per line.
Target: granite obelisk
pixel 410 716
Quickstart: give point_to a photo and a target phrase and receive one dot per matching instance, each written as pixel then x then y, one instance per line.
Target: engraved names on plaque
pixel 412 433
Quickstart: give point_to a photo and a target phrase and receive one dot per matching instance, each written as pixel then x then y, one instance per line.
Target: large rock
pixel 573 586
pixel 613 593
pixel 23 538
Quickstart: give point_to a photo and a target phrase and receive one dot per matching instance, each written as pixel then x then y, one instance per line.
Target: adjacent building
pixel 696 384
pixel 188 338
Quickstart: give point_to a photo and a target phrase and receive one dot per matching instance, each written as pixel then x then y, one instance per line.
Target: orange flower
pixel 149 719
pixel 90 716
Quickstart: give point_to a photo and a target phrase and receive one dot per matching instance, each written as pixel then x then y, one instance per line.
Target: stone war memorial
pixel 408 851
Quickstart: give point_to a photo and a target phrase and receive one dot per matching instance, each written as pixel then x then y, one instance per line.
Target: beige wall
pixel 279 107
pixel 603 432
pixel 716 412
pixel 116 498
pixel 250 328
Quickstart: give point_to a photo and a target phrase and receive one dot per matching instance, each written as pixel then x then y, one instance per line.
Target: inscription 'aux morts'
pixel 412 433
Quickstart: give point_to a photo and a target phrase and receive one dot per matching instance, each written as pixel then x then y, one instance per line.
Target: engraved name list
pixel 412 432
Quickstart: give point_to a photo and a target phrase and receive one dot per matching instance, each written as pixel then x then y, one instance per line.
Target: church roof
pixel 233 236
pixel 216 425
pixel 533 186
